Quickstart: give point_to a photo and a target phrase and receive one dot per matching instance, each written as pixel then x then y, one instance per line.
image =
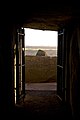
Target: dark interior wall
pixel 74 70
pixel 72 67
pixel 6 68
pixel 72 75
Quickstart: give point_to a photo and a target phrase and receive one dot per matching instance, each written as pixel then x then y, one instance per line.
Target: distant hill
pixel 32 50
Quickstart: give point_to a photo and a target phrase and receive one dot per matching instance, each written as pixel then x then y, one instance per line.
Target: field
pixel 40 69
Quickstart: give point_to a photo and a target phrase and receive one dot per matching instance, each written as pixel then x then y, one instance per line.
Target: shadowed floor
pixel 42 103
pixel 40 106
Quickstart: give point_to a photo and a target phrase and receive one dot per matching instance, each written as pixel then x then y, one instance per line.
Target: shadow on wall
pixel 39 69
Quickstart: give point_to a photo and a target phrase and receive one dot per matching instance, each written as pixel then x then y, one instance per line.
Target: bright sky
pixel 35 37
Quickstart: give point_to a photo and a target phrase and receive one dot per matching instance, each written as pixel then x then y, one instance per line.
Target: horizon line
pixel 39 46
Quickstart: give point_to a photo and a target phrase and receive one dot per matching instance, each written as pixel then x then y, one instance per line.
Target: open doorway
pixel 38 72
pixel 40 61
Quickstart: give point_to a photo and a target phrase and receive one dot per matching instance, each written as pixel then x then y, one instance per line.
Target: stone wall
pixel 40 69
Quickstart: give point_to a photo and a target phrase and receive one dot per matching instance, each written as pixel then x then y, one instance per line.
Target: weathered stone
pixel 41 53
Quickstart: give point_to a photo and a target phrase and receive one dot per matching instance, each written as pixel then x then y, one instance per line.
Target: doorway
pixel 37 67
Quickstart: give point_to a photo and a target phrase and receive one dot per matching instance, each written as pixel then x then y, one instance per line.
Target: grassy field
pixel 39 69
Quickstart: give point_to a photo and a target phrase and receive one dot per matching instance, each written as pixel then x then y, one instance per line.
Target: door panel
pixel 19 71
pixel 60 65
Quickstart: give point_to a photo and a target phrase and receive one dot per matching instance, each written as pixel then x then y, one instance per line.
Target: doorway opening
pixel 41 61
pixel 39 67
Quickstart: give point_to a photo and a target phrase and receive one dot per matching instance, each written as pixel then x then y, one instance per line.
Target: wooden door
pixel 19 65
pixel 60 64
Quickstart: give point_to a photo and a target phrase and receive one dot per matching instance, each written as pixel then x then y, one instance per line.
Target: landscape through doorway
pixel 40 60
